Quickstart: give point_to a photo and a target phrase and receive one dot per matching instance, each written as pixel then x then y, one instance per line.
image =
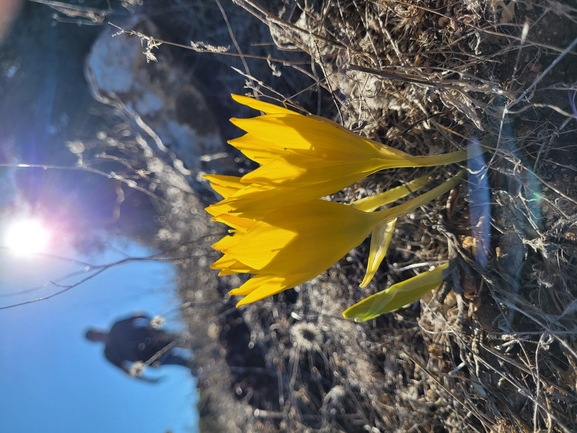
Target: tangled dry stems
pixel 428 79
pixel 498 353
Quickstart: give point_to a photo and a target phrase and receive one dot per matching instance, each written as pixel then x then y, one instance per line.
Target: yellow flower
pixel 307 157
pixel 293 244
pixel 279 229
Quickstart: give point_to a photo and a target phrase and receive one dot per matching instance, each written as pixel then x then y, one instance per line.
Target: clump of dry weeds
pixel 499 352
pixel 428 79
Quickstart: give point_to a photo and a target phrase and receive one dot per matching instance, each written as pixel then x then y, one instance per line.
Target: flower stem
pixel 436 160
pixel 372 202
pixel 411 205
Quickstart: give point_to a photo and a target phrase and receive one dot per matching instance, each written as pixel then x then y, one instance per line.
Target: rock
pixel 126 67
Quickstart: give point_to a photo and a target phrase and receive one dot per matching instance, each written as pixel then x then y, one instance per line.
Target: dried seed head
pixel 157 322
pixel 306 335
pixel 137 369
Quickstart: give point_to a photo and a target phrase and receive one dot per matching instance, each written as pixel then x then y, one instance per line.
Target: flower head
pixel 307 157
pixel 290 245
pixel 281 231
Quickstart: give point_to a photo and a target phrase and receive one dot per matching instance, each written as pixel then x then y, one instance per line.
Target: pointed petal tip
pixel 242 303
pixel 235 121
pixel 257 104
pixel 241 99
pixel 234 292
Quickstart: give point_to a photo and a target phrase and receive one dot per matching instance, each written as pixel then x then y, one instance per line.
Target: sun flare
pixel 26 237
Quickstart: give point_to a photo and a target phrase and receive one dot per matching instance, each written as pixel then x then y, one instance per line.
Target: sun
pixel 26 237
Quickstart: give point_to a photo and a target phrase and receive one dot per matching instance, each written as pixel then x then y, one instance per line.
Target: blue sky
pixel 53 380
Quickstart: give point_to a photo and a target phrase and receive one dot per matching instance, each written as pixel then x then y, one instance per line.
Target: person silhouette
pixel 135 340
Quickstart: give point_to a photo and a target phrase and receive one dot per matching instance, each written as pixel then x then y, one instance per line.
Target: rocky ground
pixel 498 353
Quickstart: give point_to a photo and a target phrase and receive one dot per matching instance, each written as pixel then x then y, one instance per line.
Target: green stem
pixel 436 160
pixel 372 202
pixel 411 205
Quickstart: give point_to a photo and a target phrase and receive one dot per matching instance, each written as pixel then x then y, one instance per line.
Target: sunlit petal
pixel 380 240
pixel 263 286
pixel 258 150
pixel 318 139
pixel 304 238
pixel 261 106
pixel 224 185
pixel 300 170
pixel 229 265
pixel 226 241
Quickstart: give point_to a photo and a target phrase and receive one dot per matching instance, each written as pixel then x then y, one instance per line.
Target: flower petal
pixel 256 149
pixel 224 185
pixel 225 242
pixel 261 106
pixel 322 140
pixel 229 265
pixel 303 170
pixel 224 262
pixel 256 200
pixel 238 223
pixel 380 240
pixel 303 238
pixel 263 286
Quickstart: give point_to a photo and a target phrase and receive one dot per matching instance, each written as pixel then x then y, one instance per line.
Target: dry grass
pixel 428 79
pixel 499 352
